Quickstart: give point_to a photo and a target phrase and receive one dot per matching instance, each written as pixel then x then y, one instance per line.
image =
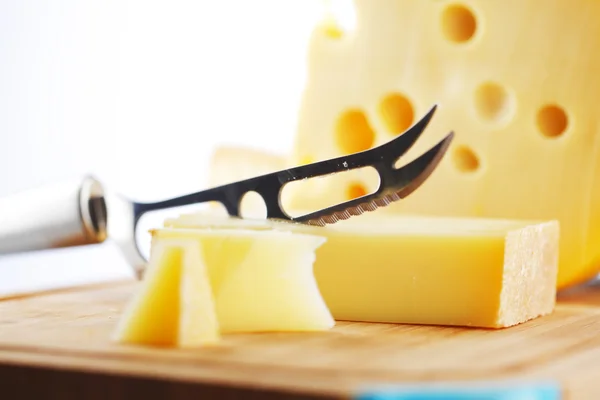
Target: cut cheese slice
pixel 426 270
pixel 174 305
pixel 203 282
pixel 527 142
pixel 262 280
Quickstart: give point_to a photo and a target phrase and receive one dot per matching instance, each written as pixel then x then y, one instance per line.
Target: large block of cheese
pixel 516 80
pixel 201 283
pixel 425 270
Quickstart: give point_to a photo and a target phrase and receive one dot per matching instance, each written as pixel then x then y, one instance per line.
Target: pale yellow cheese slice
pixel 426 270
pixel 174 305
pixel 262 280
pixel 517 83
pixel 201 283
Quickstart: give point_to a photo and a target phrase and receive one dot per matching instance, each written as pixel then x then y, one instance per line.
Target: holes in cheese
pixel 201 283
pixel 425 270
pixel 458 23
pixel 355 190
pixel 552 120
pixel 353 133
pixel 396 112
pixel 493 102
pixel 524 178
pixel 465 159
pixel 316 193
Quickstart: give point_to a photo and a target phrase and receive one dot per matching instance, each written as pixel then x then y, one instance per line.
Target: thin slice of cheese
pixel 174 305
pixel 201 283
pixel 517 82
pixel 426 270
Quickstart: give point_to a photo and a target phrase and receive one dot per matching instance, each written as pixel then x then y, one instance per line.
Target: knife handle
pixel 53 216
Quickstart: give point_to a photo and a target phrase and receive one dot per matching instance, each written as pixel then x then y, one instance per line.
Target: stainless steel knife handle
pixel 53 216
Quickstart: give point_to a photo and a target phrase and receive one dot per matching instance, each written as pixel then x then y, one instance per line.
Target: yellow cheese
pixel 517 81
pixel 233 163
pixel 202 282
pixel 174 306
pixel 426 270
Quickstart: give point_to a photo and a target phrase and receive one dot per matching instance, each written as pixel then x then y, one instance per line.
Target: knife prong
pixel 395 185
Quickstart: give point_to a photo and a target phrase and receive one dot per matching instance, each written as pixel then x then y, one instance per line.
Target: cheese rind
pixel 426 270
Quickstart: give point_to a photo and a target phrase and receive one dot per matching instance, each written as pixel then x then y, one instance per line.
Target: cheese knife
pixel 84 212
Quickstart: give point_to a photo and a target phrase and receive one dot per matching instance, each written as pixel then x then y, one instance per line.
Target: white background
pixel 138 93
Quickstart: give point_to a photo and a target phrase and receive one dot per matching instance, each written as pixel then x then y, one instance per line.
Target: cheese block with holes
pixel 423 270
pixel 517 83
pixel 202 283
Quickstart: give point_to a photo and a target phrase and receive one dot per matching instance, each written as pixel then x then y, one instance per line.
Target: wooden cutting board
pixel 57 344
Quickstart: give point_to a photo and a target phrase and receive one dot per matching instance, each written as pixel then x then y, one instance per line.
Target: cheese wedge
pixel 426 270
pixel 174 305
pixel 518 85
pixel 262 280
pixel 201 283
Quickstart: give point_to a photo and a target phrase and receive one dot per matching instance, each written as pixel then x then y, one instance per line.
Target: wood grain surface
pixel 56 345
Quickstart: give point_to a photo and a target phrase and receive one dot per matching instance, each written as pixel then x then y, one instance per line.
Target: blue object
pixel 465 391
